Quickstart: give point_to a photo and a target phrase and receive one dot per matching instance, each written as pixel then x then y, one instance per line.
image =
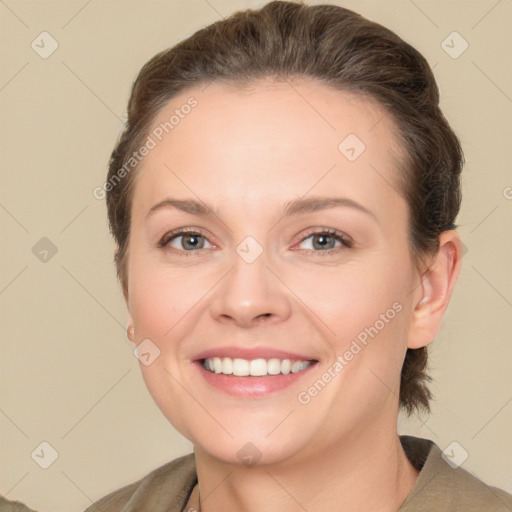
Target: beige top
pixel 438 488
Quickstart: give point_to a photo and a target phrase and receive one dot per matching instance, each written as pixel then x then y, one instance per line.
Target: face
pixel 269 237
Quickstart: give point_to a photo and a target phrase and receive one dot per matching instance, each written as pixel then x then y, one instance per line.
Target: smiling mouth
pixel 255 367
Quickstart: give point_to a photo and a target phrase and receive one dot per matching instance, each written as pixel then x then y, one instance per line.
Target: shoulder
pixel 445 487
pixel 13 506
pixel 165 489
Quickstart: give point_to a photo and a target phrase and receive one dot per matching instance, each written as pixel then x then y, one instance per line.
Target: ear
pixel 434 291
pixel 130 331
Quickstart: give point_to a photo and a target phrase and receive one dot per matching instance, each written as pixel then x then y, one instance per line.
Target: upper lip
pixel 251 353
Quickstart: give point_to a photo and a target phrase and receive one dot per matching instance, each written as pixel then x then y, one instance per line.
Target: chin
pixel 250 453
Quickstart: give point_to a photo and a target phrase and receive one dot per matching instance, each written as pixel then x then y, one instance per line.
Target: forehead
pixel 267 139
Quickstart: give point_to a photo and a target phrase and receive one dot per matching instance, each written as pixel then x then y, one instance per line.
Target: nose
pixel 249 294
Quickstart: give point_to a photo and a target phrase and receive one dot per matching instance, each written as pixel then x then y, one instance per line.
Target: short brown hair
pixel 343 50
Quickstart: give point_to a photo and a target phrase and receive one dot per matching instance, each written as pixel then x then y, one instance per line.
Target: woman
pixel 283 199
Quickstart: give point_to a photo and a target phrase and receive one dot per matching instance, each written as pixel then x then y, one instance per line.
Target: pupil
pixel 323 240
pixel 193 244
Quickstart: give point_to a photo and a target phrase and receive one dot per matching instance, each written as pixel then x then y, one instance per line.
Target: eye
pixel 185 241
pixel 325 241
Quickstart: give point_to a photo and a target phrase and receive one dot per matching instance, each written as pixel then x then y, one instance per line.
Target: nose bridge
pixel 250 291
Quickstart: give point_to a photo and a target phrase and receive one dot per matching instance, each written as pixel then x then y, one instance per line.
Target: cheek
pixel 351 298
pixel 160 306
pixel 159 299
pixel 364 314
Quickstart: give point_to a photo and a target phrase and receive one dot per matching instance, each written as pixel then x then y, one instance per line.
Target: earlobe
pixel 130 333
pixel 130 330
pixel 436 286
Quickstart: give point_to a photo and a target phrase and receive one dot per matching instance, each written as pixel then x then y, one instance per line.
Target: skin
pixel 247 152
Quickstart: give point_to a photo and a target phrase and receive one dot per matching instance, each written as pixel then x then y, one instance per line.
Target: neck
pixel 366 471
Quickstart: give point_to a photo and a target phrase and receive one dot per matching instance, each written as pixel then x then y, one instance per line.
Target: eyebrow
pixel 312 204
pixel 291 208
pixel 191 206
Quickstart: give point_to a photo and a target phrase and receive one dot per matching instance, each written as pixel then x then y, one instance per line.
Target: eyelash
pixel 337 235
pixel 168 237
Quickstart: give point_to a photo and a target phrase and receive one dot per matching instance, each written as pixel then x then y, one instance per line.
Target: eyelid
pixel 345 240
pixel 169 235
pixel 342 237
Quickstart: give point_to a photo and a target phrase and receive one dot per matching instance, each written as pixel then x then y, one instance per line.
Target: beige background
pixel 68 375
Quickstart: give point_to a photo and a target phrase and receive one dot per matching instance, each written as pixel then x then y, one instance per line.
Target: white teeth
pixel 255 367
pixel 227 366
pixel 240 367
pixel 258 367
pixel 274 367
pixel 286 366
pixel 298 366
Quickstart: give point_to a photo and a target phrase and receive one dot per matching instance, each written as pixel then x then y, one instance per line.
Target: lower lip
pixel 251 386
